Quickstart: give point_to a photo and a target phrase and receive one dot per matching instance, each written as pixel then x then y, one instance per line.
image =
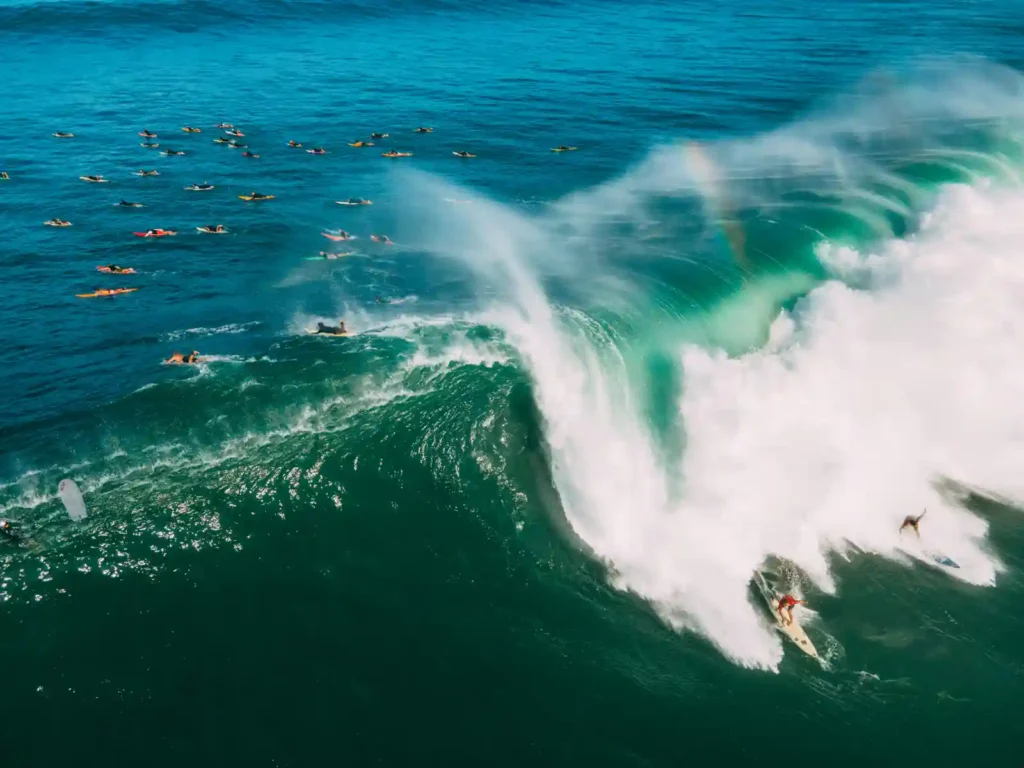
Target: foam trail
pixel 860 402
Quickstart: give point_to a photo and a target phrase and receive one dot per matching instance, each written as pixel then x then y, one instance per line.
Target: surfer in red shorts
pixel 787 604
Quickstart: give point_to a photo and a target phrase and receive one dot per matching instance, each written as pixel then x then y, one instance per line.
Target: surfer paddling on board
pixel 787 603
pixel 181 359
pixel 338 330
pixel 911 522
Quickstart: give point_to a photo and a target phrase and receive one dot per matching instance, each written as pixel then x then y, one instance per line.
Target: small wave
pixel 215 331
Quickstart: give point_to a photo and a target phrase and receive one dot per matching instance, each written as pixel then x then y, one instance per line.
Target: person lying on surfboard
pixel 114 269
pixel 8 532
pixel 787 603
pixel 180 359
pixel 911 522
pixel 331 330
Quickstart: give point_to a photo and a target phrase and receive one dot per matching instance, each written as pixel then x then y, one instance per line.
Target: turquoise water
pixel 513 517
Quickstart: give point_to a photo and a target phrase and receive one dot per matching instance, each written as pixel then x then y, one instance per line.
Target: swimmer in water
pixel 180 359
pixel 8 532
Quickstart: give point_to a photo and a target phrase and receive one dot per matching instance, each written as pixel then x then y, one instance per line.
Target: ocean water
pixel 771 305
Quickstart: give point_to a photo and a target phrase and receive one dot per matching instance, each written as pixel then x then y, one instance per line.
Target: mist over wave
pixel 826 393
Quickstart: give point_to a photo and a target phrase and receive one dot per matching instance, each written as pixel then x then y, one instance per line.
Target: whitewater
pixel 830 409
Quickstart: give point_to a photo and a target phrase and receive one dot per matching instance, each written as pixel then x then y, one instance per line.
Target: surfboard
pixel 793 631
pixel 94 181
pixel 205 231
pixel 315 332
pixel 147 234
pixel 105 295
pixel 251 199
pixel 942 559
pixel 72 498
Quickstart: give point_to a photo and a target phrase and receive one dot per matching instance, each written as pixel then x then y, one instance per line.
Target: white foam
pixel 859 402
pixel 835 431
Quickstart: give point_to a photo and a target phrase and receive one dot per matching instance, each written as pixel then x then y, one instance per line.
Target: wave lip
pixel 895 372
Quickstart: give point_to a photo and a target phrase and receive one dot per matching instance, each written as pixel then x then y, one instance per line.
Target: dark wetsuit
pixel 329 329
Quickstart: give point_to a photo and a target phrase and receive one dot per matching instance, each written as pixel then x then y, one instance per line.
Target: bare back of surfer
pixel 912 522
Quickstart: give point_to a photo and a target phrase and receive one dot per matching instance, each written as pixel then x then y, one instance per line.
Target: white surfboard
pixel 72 498
pixel 793 631
pixel 942 559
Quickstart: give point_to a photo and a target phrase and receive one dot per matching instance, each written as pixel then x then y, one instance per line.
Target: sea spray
pixel 866 396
